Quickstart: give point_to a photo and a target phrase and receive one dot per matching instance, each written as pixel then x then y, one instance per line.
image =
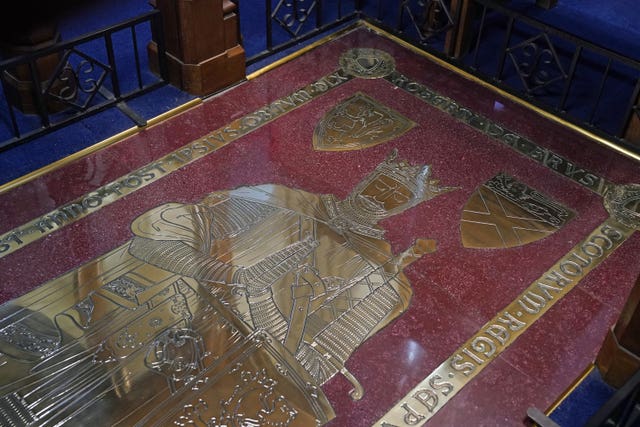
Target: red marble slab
pixel 456 290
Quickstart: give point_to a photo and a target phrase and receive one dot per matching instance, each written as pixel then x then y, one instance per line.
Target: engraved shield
pixel 358 122
pixel 505 213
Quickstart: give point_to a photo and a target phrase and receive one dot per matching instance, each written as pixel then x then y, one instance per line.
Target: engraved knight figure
pixel 312 270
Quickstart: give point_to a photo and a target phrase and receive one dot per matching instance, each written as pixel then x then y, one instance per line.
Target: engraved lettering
pixel 44 224
pixel 572 170
pixel 484 345
pixel 217 136
pixel 465 367
pixel 580 260
pixel 320 86
pixel 443 387
pixel 592 250
pixel 495 130
pixel 558 279
pixel 538 153
pixel 73 210
pixel 411 417
pixel 571 268
pixel 532 302
pixel 510 139
pixel 509 320
pixel 589 180
pixel 335 79
pixel 608 243
pixel 92 201
pixel 611 233
pixel 200 147
pixel 146 175
pixel 132 181
pixel 427 397
pixel 498 332
pixel 545 288
pixel 553 161
pixel 231 132
pixel 475 357
pixel 186 153
pixel 413 87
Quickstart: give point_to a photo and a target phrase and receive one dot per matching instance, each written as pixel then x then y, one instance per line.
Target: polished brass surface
pixel 233 310
pixel 358 122
pixel 623 203
pixel 504 213
pixel 107 194
pixel 432 393
pixel 367 63
pixel 518 143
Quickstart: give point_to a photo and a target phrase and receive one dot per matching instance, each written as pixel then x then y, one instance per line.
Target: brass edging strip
pixel 574 385
pixel 127 184
pixel 304 50
pixel 584 132
pixel 433 392
pixel 96 147
pixel 511 139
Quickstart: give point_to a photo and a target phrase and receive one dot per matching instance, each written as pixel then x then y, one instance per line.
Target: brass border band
pixel 433 392
pixel 109 193
pixel 500 133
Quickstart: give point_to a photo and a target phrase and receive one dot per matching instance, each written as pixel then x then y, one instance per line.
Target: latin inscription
pixel 522 145
pixel 91 202
pixel 432 393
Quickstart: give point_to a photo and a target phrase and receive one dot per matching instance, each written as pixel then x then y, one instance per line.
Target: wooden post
pixel 203 50
pixel 458 38
pixel 31 31
pixel 619 356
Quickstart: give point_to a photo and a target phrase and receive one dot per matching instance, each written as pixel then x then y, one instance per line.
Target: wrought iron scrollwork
pixel 427 17
pixel 536 62
pixel 292 15
pixel 77 79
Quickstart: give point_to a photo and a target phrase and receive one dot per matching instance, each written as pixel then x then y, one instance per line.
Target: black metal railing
pixel 544 65
pixel 591 86
pixel 622 409
pixel 85 76
pixel 287 23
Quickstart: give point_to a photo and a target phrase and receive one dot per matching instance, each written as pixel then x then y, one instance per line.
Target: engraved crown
pixel 393 187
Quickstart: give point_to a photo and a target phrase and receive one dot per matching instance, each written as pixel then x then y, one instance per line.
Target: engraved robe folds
pixel 283 265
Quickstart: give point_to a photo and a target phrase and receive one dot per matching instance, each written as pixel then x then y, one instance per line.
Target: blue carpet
pixel 583 402
pixel 608 23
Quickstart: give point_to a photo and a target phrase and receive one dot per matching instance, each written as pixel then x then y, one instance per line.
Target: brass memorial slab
pixel 357 123
pixel 233 310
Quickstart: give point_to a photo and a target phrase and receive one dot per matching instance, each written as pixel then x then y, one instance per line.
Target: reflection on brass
pixel 230 311
pixel 504 213
pixel 119 341
pixel 623 203
pixel 433 392
pixel 358 122
pixel 94 201
pixel 367 63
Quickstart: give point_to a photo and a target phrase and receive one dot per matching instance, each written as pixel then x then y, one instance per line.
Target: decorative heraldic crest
pixel 358 122
pixel 234 310
pixel 505 213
